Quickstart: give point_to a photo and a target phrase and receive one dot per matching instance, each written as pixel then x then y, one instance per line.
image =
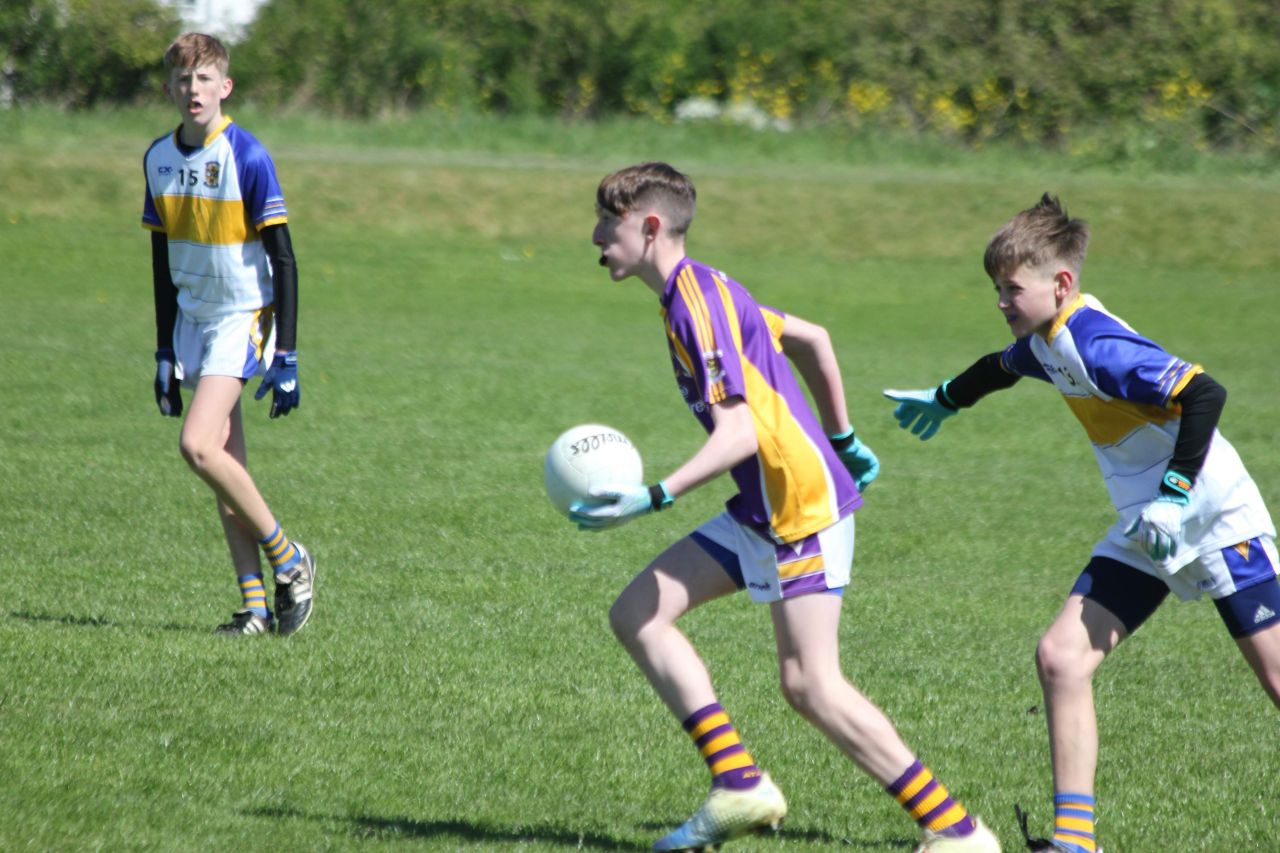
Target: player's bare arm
pixel 809 348
pixel 731 441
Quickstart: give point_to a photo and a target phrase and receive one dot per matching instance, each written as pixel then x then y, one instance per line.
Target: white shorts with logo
pixel 1217 573
pixel 238 345
pixel 770 572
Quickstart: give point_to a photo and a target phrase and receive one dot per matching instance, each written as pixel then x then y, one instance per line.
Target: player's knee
pixel 805 693
pixel 1058 660
pixel 625 621
pixel 196 452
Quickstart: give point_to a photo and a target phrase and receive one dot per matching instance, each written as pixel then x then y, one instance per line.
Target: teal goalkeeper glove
pixel 1159 527
pixel 857 458
pixel 927 409
pixel 623 503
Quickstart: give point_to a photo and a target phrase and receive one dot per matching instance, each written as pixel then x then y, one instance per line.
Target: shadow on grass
pixel 90 621
pixel 365 826
pixel 810 836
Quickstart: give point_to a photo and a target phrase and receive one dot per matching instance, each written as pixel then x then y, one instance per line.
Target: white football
pixel 586 457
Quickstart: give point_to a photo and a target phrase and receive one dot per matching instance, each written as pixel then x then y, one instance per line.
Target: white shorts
pixel 771 572
pixel 1216 573
pixel 238 345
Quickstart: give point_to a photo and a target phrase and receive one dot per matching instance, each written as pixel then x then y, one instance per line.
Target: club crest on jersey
pixel 714 364
pixel 212 172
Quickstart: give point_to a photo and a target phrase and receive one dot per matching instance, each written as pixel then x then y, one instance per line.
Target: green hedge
pixel 1203 73
pixel 81 53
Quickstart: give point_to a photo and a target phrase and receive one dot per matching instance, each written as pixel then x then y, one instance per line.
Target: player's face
pixel 622 242
pixel 1031 297
pixel 198 93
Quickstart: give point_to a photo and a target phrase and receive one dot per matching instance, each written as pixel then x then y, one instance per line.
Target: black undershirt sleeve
pixel 284 280
pixel 166 295
pixel 1202 401
pixel 980 379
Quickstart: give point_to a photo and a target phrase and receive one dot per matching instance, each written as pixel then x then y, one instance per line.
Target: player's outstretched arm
pixel 732 440
pixel 809 348
pixel 923 411
pixel 1159 526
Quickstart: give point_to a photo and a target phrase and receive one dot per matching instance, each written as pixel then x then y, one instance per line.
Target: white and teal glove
pixel 623 503
pixel 925 409
pixel 857 458
pixel 1159 528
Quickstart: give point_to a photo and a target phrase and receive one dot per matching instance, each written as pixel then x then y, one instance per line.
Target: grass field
pixel 458 687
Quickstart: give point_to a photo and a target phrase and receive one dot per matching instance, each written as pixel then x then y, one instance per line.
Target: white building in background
pixel 226 19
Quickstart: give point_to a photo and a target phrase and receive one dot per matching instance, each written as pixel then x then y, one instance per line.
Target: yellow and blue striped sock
pixel 253 594
pixel 280 551
pixel 1073 822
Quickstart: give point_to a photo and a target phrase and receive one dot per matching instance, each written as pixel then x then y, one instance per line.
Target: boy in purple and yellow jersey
pixel 226 296
pixel 1189 518
pixel 787 536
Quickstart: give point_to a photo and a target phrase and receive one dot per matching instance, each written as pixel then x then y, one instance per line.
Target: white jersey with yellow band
pixel 211 203
pixel 1120 385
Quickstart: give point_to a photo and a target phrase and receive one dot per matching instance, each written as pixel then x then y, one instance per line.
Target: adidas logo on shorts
pixel 1262 614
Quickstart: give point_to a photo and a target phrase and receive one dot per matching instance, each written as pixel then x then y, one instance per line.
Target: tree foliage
pixel 1116 72
pixel 82 52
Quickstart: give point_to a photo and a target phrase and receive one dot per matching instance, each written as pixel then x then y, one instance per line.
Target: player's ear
pixel 227 86
pixel 1063 279
pixel 652 225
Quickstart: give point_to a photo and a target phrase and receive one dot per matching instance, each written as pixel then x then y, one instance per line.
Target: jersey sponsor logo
pixel 761 586
pixel 1064 372
pixel 714 363
pixel 212 174
pixel 165 170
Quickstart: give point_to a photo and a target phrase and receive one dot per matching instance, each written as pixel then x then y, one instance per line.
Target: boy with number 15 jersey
pixel 226 294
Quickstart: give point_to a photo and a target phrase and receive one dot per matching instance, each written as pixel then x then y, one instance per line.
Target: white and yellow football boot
pixel 981 840
pixel 729 814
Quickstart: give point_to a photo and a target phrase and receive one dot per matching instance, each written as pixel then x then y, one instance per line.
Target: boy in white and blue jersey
pixel 787 536
pixel 1189 517
pixel 226 295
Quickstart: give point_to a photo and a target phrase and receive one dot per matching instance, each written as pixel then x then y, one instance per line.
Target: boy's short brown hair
pixel 1036 236
pixel 191 50
pixel 650 184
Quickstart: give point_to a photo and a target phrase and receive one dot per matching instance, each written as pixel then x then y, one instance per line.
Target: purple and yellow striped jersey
pixel 211 203
pixel 725 345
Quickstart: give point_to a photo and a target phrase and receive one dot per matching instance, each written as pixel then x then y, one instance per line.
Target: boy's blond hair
pixel 191 50
pixel 650 185
pixel 1036 236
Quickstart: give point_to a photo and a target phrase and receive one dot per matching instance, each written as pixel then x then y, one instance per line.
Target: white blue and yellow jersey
pixel 723 345
pixel 211 203
pixel 1120 387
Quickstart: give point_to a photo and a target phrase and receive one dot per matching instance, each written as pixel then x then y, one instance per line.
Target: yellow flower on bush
pixel 868 98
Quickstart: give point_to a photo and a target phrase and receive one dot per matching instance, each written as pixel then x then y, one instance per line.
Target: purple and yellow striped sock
pixel 929 804
pixel 252 593
pixel 280 551
pixel 715 737
pixel 1073 822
